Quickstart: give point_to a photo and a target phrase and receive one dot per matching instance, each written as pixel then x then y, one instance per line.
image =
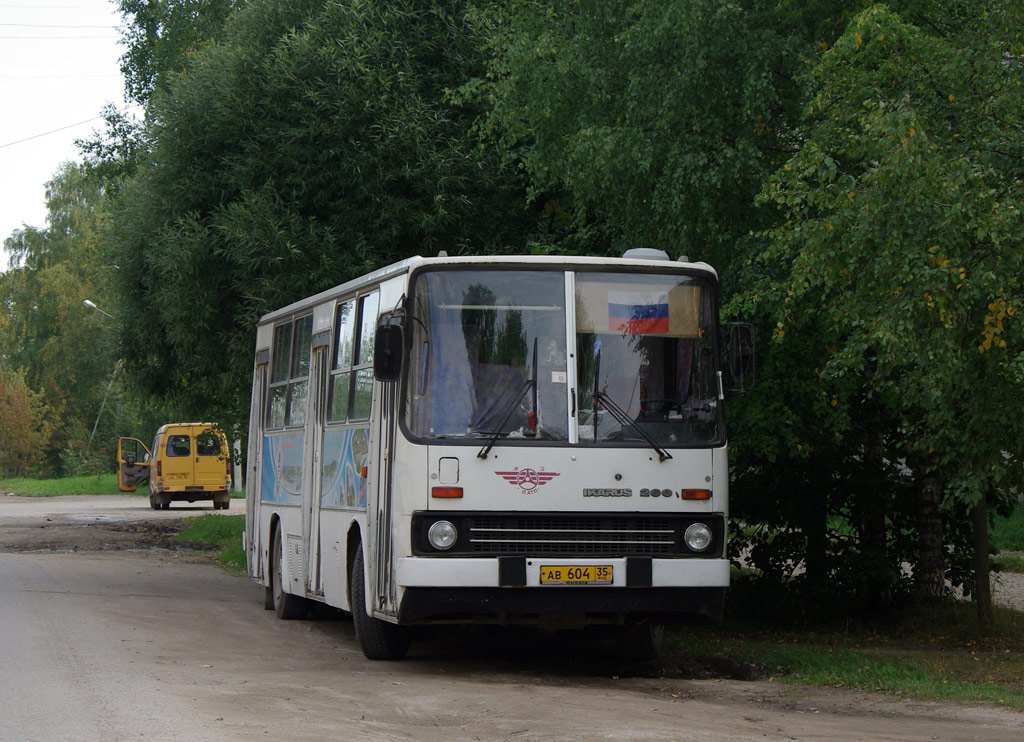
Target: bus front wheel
pixel 640 640
pixel 378 639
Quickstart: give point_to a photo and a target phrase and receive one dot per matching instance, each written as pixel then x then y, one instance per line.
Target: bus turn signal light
pixel 451 492
pixel 696 494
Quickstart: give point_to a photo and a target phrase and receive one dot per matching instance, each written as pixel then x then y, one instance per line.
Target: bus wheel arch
pixel 287 605
pixel 378 640
pixel 268 590
pixel 353 545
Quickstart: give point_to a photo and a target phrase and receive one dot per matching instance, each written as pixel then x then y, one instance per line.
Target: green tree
pixel 654 123
pixel 65 352
pixel 902 226
pixel 161 35
pixel 310 143
pixel 25 426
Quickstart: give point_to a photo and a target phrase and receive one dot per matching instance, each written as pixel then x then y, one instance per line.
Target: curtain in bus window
pixel 450 379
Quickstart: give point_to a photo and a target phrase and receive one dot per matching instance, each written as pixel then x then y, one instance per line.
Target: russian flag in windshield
pixel 638 312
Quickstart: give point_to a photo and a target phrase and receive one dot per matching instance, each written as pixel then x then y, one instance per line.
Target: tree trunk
pixel 982 583
pixel 874 532
pixel 931 557
pixel 814 524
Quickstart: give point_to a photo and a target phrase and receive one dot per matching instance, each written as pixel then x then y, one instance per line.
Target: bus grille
pixel 573 535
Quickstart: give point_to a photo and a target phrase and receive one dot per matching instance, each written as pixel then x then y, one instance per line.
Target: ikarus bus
pixel 517 439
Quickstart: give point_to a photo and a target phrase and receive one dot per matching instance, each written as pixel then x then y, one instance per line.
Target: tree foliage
pixel 901 232
pixel 654 123
pixel 311 143
pixel 62 351
pixel 25 426
pixel 161 35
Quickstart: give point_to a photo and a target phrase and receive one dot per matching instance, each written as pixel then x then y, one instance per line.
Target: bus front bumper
pixel 509 590
pixel 517 571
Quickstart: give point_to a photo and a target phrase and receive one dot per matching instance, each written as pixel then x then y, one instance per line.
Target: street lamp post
pixel 110 383
pixel 90 305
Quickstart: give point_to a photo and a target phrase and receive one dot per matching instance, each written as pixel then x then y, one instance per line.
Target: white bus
pixel 519 439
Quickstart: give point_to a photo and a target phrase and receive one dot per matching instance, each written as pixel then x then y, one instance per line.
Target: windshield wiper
pixel 624 419
pixel 617 412
pixel 531 417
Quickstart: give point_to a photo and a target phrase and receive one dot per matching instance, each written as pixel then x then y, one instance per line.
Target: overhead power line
pixel 53 131
pixel 37 38
pixel 46 133
pixel 50 25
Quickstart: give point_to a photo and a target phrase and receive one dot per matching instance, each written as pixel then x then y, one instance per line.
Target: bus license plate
pixel 567 574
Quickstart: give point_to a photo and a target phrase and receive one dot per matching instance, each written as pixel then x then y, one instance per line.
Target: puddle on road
pixel 102 518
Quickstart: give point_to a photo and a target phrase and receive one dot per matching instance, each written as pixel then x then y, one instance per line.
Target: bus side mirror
pixel 742 356
pixel 387 350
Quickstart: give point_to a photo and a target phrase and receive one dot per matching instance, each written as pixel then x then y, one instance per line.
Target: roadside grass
pixel 1007 534
pixel 223 530
pixel 1008 563
pixel 95 484
pixel 928 654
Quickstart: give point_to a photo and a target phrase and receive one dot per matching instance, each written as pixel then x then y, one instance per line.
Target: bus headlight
pixel 697 537
pixel 442 535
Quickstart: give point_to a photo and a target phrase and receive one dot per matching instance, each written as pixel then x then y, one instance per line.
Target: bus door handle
pixel 572 393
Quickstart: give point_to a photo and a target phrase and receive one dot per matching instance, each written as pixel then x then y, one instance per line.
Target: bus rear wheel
pixel 378 639
pixel 286 605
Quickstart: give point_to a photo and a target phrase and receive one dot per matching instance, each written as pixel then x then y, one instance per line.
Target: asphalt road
pixel 115 646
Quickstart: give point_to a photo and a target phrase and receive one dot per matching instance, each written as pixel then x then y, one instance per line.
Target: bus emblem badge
pixel 528 480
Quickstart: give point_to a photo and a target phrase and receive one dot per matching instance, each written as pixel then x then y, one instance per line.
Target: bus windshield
pixel 646 359
pixel 489 349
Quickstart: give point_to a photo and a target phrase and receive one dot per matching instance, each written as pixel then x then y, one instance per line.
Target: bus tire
pixel 286 605
pixel 378 639
pixel 639 641
pixel 153 503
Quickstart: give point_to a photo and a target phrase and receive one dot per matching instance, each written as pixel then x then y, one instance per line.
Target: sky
pixel 59 66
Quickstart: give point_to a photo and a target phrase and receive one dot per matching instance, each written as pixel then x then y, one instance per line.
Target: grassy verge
pixel 222 530
pixel 935 654
pixel 1007 534
pixel 1008 563
pixel 96 484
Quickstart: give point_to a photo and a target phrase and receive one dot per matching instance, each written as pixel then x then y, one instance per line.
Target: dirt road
pixel 104 643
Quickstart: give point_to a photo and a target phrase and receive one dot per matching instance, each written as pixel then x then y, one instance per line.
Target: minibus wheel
pixel 286 605
pixel 378 639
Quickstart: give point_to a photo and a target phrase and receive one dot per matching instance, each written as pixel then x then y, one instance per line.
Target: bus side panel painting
pixel 344 471
pixel 282 469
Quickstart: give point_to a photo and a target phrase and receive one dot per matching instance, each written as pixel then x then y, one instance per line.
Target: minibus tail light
pixel 449 492
pixel 159 468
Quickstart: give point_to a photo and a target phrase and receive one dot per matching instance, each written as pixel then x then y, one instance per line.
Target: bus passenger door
pixel 384 593
pixel 253 483
pixel 315 444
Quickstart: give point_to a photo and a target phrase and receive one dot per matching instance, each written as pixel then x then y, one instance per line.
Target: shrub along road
pixel 100 644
